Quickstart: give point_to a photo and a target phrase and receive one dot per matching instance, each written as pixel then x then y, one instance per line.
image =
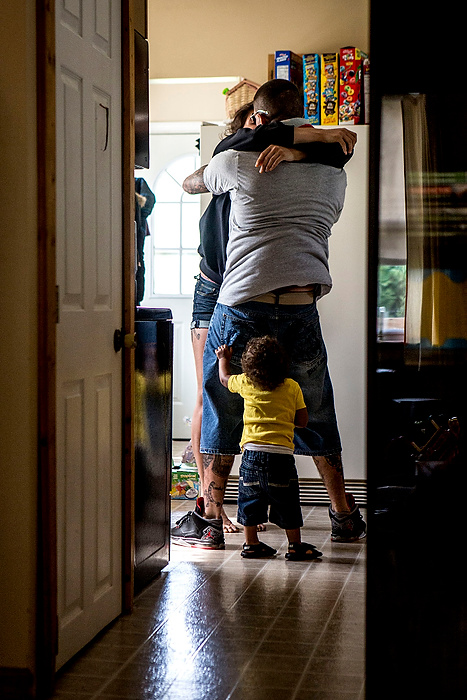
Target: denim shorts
pixel 204 301
pixel 269 480
pixel 297 328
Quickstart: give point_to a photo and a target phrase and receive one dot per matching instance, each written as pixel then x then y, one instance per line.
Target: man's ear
pixel 261 119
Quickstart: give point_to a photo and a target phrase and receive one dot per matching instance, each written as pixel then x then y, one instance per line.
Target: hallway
pixel 275 630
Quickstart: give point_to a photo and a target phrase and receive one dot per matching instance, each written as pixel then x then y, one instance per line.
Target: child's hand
pixel 224 352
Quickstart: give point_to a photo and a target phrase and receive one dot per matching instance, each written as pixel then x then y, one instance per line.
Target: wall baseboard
pixel 312 491
pixel 16 683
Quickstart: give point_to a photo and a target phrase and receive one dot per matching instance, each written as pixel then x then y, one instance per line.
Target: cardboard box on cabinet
pixel 288 66
pixel 351 90
pixel 329 89
pixel 311 87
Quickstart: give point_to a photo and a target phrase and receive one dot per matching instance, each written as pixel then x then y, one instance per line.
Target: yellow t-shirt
pixel 268 416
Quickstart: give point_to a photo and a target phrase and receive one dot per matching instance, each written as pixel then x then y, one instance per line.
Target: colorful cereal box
pixel 288 66
pixel 351 85
pixel 329 88
pixel 311 87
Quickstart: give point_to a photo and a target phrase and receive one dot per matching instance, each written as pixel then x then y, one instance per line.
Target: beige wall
pixel 209 38
pixel 18 332
pixel 212 37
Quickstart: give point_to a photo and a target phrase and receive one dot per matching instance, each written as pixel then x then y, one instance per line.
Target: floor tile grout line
pixel 318 642
pixel 156 631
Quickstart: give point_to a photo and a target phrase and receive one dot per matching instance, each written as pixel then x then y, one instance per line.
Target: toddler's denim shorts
pixel 297 328
pixel 204 301
pixel 268 479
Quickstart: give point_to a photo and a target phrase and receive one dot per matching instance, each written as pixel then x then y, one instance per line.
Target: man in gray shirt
pixel 283 216
pixel 277 267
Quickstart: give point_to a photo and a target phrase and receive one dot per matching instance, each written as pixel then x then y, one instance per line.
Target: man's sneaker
pixel 194 531
pixel 347 527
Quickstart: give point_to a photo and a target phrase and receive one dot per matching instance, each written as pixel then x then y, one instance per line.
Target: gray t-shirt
pixel 280 223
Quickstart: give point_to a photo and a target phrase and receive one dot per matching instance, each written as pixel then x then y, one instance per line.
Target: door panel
pixel 89 275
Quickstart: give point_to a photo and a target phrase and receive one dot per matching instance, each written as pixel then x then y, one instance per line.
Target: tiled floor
pixel 216 627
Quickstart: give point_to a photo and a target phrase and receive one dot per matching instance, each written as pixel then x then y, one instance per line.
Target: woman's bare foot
pixel 228 525
pixel 261 528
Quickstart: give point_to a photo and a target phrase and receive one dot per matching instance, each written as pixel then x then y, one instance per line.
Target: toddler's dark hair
pixel 265 362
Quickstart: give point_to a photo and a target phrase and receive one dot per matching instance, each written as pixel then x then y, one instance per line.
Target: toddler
pixel 273 406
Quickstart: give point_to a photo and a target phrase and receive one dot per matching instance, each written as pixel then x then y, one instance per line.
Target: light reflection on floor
pixel 216 627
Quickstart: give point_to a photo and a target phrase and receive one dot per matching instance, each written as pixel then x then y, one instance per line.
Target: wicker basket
pixel 238 96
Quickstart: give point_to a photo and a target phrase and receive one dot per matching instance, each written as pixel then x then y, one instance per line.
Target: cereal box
pixel 288 66
pixel 185 482
pixel 329 88
pixel 351 85
pixel 311 87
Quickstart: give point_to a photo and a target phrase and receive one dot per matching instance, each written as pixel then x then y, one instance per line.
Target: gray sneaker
pixel 194 531
pixel 347 527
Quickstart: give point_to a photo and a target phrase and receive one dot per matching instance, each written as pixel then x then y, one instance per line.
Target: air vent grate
pixel 312 491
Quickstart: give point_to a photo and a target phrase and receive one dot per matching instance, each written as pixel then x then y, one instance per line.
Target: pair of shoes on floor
pixel 302 551
pixel 192 530
pixel 347 527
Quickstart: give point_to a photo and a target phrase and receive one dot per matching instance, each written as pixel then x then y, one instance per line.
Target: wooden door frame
pixel 47 621
pixel 128 181
pixel 46 627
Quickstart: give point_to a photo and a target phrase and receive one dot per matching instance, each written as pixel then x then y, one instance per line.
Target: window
pixel 391 301
pixel 174 226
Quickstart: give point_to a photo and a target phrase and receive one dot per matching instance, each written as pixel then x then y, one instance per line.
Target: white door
pixel 89 276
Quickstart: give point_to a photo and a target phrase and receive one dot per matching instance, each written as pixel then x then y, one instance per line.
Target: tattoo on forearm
pixel 194 183
pixel 195 335
pixel 213 493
